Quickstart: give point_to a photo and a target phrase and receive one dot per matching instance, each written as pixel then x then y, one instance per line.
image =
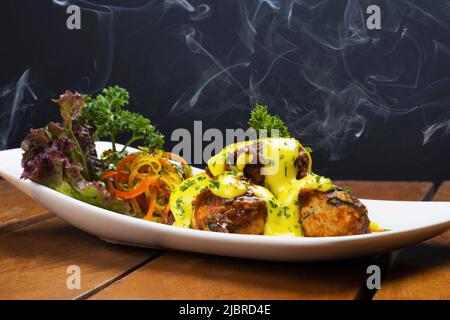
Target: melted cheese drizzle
pixel 181 198
pixel 283 211
pixel 280 190
pixel 226 185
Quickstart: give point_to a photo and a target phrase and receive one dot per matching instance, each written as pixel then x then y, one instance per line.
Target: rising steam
pixel 314 62
pixel 15 99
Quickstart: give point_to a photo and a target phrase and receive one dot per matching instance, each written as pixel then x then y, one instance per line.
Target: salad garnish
pixel 260 119
pixel 146 180
pixel 62 156
pixel 105 112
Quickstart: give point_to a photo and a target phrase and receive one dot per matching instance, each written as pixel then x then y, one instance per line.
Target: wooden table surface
pixel 37 248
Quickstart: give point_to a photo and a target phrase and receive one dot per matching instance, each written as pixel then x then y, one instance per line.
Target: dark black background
pixel 373 104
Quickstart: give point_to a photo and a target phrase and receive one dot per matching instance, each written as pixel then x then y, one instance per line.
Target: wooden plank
pixel 389 190
pixel 421 271
pixel 443 193
pixel 34 261
pixel 177 275
pixel 17 209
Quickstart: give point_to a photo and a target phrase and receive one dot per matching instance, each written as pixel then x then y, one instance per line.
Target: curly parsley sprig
pixel 105 113
pixel 260 119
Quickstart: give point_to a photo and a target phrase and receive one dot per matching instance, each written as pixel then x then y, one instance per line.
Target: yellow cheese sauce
pixel 181 198
pixel 227 185
pixel 285 220
pixel 280 179
pixel 280 190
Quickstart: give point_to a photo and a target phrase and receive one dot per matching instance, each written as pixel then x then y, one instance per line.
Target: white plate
pixel 410 222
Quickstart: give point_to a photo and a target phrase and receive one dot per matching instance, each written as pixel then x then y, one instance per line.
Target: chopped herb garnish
pixel 179 204
pixel 286 214
pixel 346 190
pixel 234 171
pixel 215 184
pixel 187 184
pixel 273 204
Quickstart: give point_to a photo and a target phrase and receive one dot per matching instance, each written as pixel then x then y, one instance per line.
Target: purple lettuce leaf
pixel 62 156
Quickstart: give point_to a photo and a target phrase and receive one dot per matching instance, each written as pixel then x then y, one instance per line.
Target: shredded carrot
pixel 151 206
pixel 165 212
pixel 175 157
pixel 178 159
pixel 108 174
pixel 135 205
pixel 121 167
pixel 167 165
pixel 146 180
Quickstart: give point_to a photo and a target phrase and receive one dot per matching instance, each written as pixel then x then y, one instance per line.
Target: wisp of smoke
pixel 15 99
pixel 314 62
pixel 317 64
pixel 112 18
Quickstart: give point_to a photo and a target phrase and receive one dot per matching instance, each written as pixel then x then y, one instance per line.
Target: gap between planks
pixel 389 259
pixel 86 295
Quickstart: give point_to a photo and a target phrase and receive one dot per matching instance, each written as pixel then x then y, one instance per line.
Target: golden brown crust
pixel 245 214
pixel 333 213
